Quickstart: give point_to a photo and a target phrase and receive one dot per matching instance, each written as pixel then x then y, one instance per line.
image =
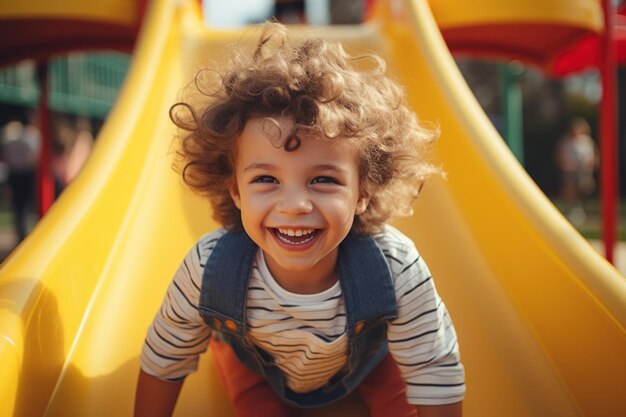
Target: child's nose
pixel 294 201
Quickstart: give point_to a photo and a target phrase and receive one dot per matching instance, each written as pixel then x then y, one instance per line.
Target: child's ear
pixel 361 205
pixel 234 194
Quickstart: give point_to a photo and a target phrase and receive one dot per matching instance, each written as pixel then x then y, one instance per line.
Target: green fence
pixel 83 84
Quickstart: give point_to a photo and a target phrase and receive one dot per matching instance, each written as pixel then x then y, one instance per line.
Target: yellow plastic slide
pixel 540 315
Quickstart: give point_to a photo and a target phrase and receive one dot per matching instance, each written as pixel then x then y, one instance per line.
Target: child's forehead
pixel 279 129
pixel 271 136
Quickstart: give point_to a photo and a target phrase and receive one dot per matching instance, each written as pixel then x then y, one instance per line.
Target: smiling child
pixel 305 294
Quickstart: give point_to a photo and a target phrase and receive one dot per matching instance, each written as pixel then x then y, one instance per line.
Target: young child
pixel 305 295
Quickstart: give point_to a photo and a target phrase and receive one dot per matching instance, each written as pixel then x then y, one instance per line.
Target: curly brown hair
pixel 318 85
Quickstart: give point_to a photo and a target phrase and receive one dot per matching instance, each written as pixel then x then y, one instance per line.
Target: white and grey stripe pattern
pixel 306 333
pixel 422 339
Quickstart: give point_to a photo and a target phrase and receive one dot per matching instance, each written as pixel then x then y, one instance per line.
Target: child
pixel 305 295
pixel 577 158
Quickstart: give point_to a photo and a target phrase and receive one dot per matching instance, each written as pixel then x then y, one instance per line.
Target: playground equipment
pixel 540 315
pixel 559 37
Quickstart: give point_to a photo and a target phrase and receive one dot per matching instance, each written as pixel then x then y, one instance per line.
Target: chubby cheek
pixel 339 210
pixel 253 226
pixel 254 203
pixel 253 211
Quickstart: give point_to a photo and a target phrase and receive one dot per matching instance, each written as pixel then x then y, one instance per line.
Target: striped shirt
pixel 306 333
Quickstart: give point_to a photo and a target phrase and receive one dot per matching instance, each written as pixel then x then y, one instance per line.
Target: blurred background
pixel 550 121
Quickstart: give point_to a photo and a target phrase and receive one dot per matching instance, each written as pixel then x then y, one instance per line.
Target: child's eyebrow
pixel 320 167
pixel 258 165
pixel 263 166
pixel 330 167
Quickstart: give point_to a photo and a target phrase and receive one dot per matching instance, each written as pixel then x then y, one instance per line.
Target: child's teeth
pixel 288 235
pixel 295 232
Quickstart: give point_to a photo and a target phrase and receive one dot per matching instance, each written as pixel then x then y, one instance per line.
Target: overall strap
pixel 366 282
pixel 225 283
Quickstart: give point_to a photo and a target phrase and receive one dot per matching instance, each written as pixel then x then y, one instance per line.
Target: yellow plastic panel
pixel 540 314
pixel 584 14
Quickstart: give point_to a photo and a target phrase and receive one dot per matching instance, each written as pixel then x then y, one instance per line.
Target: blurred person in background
pixel 72 147
pixel 577 160
pixel 80 150
pixel 290 11
pixel 19 151
pixel 347 12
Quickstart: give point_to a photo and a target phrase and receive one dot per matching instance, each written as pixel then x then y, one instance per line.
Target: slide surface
pixel 540 315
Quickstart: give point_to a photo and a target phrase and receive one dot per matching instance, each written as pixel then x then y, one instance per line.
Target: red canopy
pixel 584 54
pixel 38 35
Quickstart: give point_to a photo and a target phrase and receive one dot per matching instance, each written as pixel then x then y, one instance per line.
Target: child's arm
pixel 155 397
pixel 448 410
pixel 422 339
pixel 175 339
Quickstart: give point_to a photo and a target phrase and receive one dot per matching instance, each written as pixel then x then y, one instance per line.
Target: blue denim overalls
pixel 369 297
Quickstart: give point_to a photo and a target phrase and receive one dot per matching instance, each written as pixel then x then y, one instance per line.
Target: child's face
pixel 296 206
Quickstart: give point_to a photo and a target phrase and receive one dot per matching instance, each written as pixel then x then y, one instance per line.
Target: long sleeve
pixel 178 335
pixel 422 339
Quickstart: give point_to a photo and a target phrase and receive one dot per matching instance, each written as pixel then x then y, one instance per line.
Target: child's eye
pixel 265 179
pixel 324 180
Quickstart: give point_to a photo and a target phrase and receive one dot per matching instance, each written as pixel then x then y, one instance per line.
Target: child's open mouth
pixel 295 236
